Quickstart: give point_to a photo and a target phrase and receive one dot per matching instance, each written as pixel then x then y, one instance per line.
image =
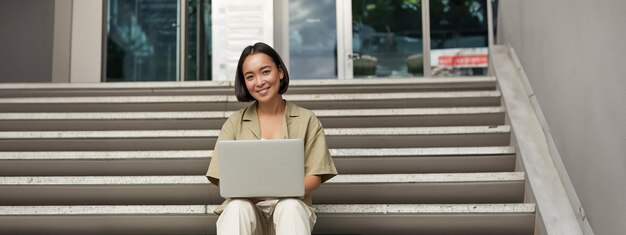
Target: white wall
pixel 574 53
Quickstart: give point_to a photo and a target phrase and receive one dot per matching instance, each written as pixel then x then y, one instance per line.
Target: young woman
pixel 262 77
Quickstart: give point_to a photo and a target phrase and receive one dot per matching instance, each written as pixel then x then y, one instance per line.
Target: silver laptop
pixel 261 168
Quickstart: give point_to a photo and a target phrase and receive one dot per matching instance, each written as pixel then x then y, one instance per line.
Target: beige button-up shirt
pixel 299 123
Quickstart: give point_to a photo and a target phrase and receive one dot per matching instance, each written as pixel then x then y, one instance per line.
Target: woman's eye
pixel 266 72
pixel 249 78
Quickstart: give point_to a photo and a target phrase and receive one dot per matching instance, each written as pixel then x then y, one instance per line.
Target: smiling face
pixel 262 77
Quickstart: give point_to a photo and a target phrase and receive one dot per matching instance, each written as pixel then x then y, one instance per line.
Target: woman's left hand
pixel 311 183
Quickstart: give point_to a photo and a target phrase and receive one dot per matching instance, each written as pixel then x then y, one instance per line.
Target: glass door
pixel 385 38
pixel 199 51
pixel 348 39
pixel 141 40
pixel 313 39
pixel 150 41
pixel 459 37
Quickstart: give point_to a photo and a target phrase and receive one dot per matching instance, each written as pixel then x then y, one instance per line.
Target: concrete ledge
pixel 233 99
pixel 503 187
pixel 417 130
pixel 227 102
pixel 183 120
pixel 393 96
pixel 418 151
pixel 424 160
pixel 195 162
pixel 336 153
pixel 215 133
pixel 554 206
pixel 105 155
pixel 427 178
pixel 226 88
pixel 321 209
pixel 226 114
pixel 463 136
pixel 339 179
pixel 108 134
pixel 515 219
pixel 212 84
pixel 426 209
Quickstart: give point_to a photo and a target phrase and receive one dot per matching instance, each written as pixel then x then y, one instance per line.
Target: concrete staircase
pixel 415 156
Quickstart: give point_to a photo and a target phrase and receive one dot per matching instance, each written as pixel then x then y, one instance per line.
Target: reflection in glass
pixel 458 37
pixel 141 40
pixel 387 36
pixel 312 39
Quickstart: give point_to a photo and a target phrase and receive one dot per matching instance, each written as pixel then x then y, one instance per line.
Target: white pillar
pixel 86 46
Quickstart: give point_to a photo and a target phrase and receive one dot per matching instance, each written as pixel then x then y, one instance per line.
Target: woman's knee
pixel 290 204
pixel 239 205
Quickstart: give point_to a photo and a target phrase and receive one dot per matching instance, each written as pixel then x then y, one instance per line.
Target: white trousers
pixel 280 217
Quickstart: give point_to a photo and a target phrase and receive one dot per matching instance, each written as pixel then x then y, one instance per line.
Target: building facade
pixel 174 40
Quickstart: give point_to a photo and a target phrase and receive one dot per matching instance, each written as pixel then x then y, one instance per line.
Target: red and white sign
pixel 460 57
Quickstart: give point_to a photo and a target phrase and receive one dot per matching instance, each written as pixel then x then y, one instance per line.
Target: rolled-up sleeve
pixel 317 156
pixel 226 133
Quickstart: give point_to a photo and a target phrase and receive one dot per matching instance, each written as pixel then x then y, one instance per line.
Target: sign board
pixel 460 57
pixel 237 24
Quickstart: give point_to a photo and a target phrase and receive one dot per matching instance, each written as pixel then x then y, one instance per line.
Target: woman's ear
pixel 281 74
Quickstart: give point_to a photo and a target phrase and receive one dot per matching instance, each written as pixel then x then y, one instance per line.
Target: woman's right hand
pixel 255 200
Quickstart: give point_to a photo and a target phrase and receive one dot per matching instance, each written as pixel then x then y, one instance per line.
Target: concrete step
pixel 409 137
pixel 501 187
pixel 514 219
pixel 77 121
pixel 195 162
pixel 228 102
pixel 425 160
pixel 227 88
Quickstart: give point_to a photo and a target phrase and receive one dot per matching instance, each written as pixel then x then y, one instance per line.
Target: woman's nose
pixel 259 81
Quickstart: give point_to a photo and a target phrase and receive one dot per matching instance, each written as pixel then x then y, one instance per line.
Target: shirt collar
pixel 251 119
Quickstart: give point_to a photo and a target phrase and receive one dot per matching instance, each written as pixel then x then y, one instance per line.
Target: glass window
pixel 142 40
pixel 312 39
pixel 387 38
pixel 199 53
pixel 459 38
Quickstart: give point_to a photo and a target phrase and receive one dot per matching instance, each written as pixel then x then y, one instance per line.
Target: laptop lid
pixel 261 168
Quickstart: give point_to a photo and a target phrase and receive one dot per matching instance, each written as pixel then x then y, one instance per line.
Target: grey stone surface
pixel 107 134
pixel 111 115
pixel 225 114
pixel 552 200
pixel 207 153
pixel 103 180
pixel 421 151
pixel 339 179
pixel 106 210
pixel 122 155
pixel 497 194
pixel 321 209
pixel 210 84
pixel 430 178
pixel 418 130
pixel 427 209
pixel 409 111
pixel 114 99
pixel 215 133
pixel 380 96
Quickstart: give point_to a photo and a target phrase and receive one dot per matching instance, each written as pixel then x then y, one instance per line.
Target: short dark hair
pixel 241 91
